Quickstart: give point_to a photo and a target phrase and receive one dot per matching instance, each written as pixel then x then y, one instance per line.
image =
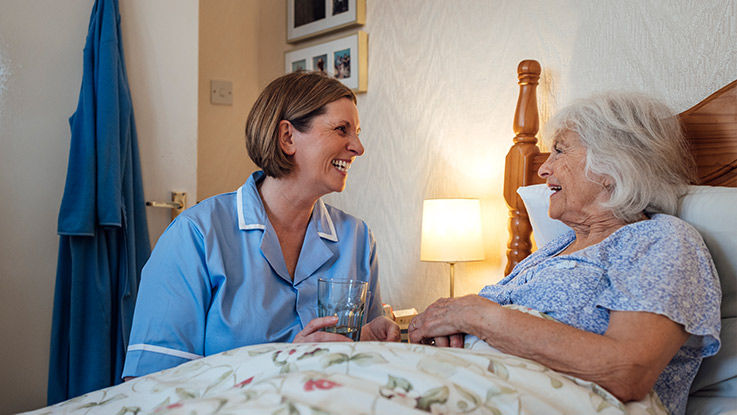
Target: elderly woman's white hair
pixel 635 140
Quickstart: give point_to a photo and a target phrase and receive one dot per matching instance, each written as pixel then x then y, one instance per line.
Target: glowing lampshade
pixel 451 232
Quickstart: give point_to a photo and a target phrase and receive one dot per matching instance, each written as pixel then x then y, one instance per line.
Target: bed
pixel 400 378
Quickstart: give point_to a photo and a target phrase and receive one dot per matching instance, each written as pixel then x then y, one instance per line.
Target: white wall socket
pixel 221 92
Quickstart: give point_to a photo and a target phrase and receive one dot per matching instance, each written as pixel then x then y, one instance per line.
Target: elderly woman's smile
pixel 577 196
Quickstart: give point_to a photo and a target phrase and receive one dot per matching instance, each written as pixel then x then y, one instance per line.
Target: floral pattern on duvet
pixel 355 378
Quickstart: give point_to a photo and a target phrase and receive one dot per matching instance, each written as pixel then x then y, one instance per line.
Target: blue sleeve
pixel 173 299
pixel 667 271
pixel 375 308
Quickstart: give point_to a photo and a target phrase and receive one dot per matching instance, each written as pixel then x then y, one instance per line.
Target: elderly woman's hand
pixel 311 333
pixel 454 340
pixel 381 329
pixel 445 321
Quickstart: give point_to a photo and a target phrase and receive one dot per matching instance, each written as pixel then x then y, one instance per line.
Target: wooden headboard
pixel 710 126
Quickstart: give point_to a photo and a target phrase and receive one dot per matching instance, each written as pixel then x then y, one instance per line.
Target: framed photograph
pixel 309 18
pixel 345 58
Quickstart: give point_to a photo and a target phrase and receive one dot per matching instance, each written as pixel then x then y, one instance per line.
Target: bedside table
pixel 403 318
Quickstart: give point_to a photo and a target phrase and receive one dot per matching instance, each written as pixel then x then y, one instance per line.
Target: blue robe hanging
pixel 102 223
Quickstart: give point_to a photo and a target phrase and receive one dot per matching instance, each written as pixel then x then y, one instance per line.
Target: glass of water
pixel 345 299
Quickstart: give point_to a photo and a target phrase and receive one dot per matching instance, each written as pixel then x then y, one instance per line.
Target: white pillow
pixel 536 199
pixel 713 212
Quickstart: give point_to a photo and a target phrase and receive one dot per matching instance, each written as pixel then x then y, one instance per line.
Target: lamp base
pixel 452 278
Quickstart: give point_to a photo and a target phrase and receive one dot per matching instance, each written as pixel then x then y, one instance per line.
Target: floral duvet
pixel 355 378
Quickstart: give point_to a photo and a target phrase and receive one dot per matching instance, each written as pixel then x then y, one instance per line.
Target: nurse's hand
pixel 311 333
pixel 381 329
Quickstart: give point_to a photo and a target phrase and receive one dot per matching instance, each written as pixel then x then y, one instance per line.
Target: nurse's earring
pixel 286 138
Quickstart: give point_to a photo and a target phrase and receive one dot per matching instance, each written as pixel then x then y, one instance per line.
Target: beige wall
pixel 41 44
pixel 40 73
pixel 272 35
pixel 241 41
pixel 161 51
pixel 228 46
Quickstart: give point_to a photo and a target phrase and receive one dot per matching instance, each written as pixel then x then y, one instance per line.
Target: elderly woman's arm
pixel 626 360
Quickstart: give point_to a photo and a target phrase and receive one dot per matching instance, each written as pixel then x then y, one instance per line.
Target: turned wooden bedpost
pixel 519 161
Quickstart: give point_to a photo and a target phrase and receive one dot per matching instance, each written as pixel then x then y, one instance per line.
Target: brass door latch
pixel 177 205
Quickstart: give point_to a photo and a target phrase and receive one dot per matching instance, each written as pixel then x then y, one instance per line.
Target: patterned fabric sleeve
pixel 664 267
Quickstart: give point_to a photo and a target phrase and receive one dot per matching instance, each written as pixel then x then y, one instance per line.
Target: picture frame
pixel 344 58
pixel 310 18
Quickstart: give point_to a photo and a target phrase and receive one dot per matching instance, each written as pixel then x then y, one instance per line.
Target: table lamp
pixel 451 232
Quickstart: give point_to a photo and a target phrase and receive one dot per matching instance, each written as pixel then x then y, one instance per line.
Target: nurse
pixel 241 268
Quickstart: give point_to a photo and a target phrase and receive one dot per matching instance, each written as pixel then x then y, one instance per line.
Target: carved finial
pixel 528 72
pixel 519 159
pixel 526 117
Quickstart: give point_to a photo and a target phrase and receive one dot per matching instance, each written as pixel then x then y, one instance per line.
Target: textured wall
pixel 160 41
pixel 442 89
pixel 40 72
pixel 41 45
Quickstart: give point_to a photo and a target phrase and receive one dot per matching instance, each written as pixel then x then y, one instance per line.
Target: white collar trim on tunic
pixel 242 219
pixel 319 209
pixel 332 236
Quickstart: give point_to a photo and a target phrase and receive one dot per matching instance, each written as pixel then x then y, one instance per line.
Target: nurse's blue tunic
pixel 217 279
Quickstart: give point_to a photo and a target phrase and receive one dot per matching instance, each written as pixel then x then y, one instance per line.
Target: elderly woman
pixel 241 268
pixel 633 288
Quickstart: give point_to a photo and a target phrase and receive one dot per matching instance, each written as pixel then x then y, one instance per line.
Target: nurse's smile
pixel 342 165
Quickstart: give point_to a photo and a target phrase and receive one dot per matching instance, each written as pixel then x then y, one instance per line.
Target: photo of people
pixel 320 63
pixel 308 11
pixel 342 59
pixel 299 65
pixel 343 64
pixel 340 6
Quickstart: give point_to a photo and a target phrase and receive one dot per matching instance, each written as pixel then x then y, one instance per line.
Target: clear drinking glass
pixel 345 299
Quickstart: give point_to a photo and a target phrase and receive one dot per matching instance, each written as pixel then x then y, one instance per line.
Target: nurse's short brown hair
pixel 297 97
